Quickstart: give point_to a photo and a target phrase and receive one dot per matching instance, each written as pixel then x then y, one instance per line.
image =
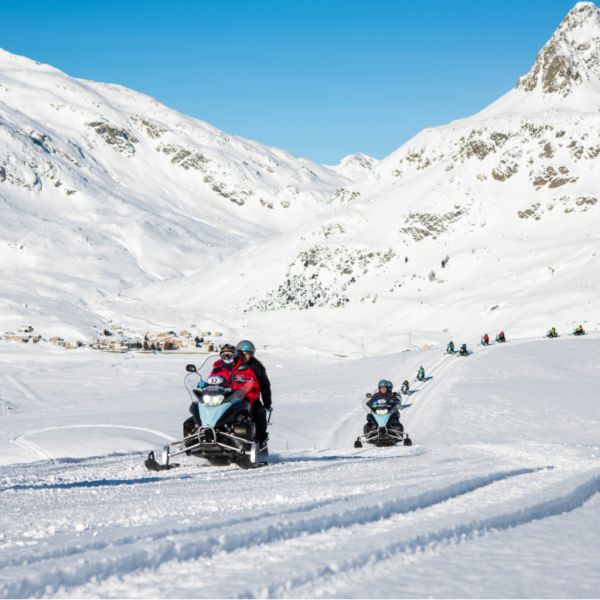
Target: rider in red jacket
pixel 235 373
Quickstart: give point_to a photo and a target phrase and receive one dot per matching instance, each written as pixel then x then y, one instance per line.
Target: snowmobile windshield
pixel 194 381
pixel 215 393
pixel 383 404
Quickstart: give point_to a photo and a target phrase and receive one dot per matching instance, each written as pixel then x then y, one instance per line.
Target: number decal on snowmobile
pixel 215 380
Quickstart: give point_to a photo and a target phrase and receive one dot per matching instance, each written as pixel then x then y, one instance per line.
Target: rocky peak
pixel 571 56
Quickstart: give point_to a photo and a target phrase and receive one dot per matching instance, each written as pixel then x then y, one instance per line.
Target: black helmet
pixel 246 346
pixel 227 354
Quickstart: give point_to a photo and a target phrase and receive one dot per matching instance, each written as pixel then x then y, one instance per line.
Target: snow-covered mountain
pixel 508 199
pixel 103 188
pixel 355 166
pixel 191 224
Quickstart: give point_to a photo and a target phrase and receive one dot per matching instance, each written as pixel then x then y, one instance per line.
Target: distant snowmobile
pixel 450 348
pixel 500 337
pixel 552 333
pixel 578 331
pixel 405 389
pixel 221 429
pixel 485 340
pixel 421 374
pixel 463 351
pixel 383 426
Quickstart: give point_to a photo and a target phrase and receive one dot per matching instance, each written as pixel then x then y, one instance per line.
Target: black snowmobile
pixel 485 340
pixel 405 389
pixel 220 428
pixel 421 375
pixel 463 351
pixel 450 348
pixel 579 331
pixel 500 337
pixel 383 427
pixel 552 334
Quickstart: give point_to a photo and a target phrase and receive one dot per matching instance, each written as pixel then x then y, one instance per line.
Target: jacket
pixel 263 380
pixel 239 375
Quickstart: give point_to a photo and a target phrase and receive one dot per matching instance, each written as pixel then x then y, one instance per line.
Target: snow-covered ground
pixel 498 496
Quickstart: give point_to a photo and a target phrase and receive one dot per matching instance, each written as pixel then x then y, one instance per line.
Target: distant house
pixel 113 328
pixel 207 347
pixel 26 329
pixel 188 342
pixel 205 333
pixel 56 341
pixel 72 344
pixel 184 333
pixel 218 334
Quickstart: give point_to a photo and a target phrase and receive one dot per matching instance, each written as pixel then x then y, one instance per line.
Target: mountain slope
pixel 509 196
pixel 103 188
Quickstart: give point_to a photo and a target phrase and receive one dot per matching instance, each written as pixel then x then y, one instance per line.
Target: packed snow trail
pixel 323 519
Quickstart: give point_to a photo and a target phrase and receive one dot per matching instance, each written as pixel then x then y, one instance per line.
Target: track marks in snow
pixel 443 538
pixel 149 550
pixel 37 452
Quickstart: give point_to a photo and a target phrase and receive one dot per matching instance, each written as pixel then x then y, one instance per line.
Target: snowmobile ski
pixel 153 465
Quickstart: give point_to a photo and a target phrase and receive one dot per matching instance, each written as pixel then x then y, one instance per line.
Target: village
pixel 120 340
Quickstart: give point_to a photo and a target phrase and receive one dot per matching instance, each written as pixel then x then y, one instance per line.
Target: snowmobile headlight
pixel 382 411
pixel 213 400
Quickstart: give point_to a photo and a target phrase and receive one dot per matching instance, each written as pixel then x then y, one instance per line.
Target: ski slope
pixel 498 496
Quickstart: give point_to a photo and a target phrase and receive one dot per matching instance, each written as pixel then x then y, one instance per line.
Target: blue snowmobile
pixel 220 428
pixel 383 426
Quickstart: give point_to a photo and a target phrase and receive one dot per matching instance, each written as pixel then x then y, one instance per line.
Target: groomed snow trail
pixel 324 519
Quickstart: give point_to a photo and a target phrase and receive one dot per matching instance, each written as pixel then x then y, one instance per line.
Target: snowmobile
pixel 421 375
pixel 578 331
pixel 463 351
pixel 485 340
pixel 450 348
pixel 500 337
pixel 405 389
pixel 220 428
pixel 383 427
pixel 552 333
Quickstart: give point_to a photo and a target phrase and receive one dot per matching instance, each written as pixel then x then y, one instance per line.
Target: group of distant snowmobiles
pixel 485 341
pixel 553 334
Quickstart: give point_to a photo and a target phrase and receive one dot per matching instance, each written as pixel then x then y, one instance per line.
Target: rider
pixel 245 350
pixel 421 373
pixel 486 339
pixel 384 393
pixel 579 330
pixel 450 347
pixel 463 349
pixel 406 385
pixel 501 337
pixel 553 332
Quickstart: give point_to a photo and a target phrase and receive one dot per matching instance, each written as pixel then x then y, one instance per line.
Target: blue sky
pixel 321 79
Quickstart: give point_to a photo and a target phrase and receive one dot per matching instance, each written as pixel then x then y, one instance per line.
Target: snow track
pixel 326 521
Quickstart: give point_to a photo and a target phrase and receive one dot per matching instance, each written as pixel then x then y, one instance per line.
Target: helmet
pixel 246 346
pixel 421 368
pixel 227 354
pixel 386 384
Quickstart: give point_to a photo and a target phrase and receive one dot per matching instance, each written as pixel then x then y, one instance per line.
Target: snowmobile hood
pixel 210 415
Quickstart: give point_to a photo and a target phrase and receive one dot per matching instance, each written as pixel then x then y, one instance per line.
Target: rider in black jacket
pixel 245 350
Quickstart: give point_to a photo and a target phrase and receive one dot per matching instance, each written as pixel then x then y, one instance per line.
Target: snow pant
pixel 259 416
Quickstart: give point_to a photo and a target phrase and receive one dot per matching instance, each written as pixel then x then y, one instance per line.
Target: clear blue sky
pixel 319 78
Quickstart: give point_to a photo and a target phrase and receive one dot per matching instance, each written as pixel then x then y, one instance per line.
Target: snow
pixel 498 496
pixel 118 210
